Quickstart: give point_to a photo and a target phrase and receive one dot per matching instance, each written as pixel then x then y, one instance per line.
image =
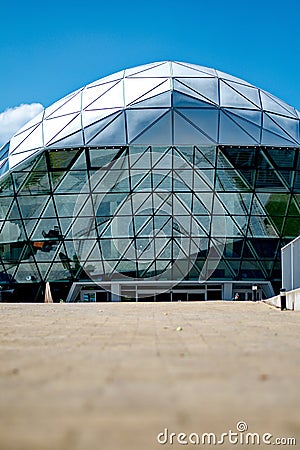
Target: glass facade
pixel 164 172
pixel 163 198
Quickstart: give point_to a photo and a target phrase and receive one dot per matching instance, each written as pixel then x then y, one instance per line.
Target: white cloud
pixel 12 119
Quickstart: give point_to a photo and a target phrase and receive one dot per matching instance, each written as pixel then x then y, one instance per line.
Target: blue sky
pixel 48 49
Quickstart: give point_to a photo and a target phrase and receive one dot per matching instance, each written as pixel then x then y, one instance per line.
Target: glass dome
pixel 164 103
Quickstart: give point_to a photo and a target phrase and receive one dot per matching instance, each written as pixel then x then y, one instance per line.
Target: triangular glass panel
pixel 292 227
pixel 205 120
pixel 204 180
pixel 204 222
pixel 79 163
pixel 143 184
pixel 138 121
pixel 274 204
pixel 36 183
pixel 162 181
pixel 159 100
pixel 290 126
pixel 181 100
pixel 65 224
pixel 224 270
pixel 162 161
pixel 141 161
pixel 231 133
pixel 231 98
pixel 55 106
pixel 18 159
pixel 253 130
pixel 112 134
pixel 134 71
pixel 250 92
pixel 253 116
pixel 113 77
pixel 141 88
pixel 55 178
pixel 233 248
pixel 236 203
pixel 90 117
pixel 257 208
pixel 265 248
pixel 71 106
pixel 31 208
pixel 201 69
pixel 73 127
pixel 202 203
pixel 92 130
pixel 17 139
pixel 261 226
pixel 183 157
pixel 32 141
pixel 185 201
pixel 91 94
pixel 38 164
pixel 160 133
pixel 183 180
pixel 27 271
pixel 13 212
pixel 206 89
pixel 60 127
pixel 272 104
pixel 6 185
pixel 231 229
pixel 5 206
pixel 187 134
pixel 62 159
pixel 294 209
pixel 113 98
pixel 155 94
pixel 49 210
pixel 47 229
pixel 188 70
pixel 43 269
pixel 266 178
pixel 251 270
pixel 240 157
pixel 73 182
pixel 273 127
pixel 160 70
pixel 205 199
pixel 73 140
pixel 242 223
pixel 205 157
pixel 223 161
pixel 282 158
pixel 101 157
pixel 230 180
pixel 57 272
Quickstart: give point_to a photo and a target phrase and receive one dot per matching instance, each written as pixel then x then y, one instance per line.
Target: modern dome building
pixel 166 181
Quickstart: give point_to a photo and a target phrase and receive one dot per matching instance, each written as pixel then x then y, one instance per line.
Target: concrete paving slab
pixel 113 376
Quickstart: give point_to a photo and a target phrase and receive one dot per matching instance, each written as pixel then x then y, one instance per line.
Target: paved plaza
pixel 109 376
